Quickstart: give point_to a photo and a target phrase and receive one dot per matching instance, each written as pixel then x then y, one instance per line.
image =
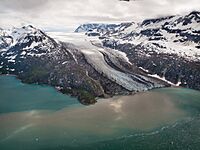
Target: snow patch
pixel 161 78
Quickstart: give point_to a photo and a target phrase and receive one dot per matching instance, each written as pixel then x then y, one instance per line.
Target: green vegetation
pixel 84 96
pixel 36 74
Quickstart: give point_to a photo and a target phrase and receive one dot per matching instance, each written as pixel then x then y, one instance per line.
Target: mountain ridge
pixel 174 38
pixel 37 58
pixel 120 59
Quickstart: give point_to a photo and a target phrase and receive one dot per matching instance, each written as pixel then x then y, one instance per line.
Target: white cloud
pixel 71 13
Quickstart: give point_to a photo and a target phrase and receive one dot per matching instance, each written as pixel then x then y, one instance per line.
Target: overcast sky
pixel 68 14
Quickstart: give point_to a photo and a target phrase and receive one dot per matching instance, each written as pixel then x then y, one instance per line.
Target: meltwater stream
pixel 37 117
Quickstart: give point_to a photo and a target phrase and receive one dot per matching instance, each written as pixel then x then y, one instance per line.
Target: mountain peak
pixel 91 26
pixel 195 13
pixel 28 27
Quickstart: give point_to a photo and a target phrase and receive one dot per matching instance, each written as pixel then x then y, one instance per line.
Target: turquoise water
pixel 37 117
pixel 17 96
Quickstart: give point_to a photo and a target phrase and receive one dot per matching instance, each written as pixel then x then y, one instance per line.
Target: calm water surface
pixel 39 117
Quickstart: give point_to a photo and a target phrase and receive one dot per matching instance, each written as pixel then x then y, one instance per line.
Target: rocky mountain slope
pixel 79 67
pixel 102 30
pixel 120 59
pixel 167 47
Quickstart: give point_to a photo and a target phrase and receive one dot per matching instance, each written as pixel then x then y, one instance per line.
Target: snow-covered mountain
pixel 102 29
pixel 78 65
pixel 168 47
pixel 95 26
pixel 25 41
pixel 174 34
pixel 120 59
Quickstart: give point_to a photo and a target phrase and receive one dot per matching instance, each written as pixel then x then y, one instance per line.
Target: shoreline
pixel 84 99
